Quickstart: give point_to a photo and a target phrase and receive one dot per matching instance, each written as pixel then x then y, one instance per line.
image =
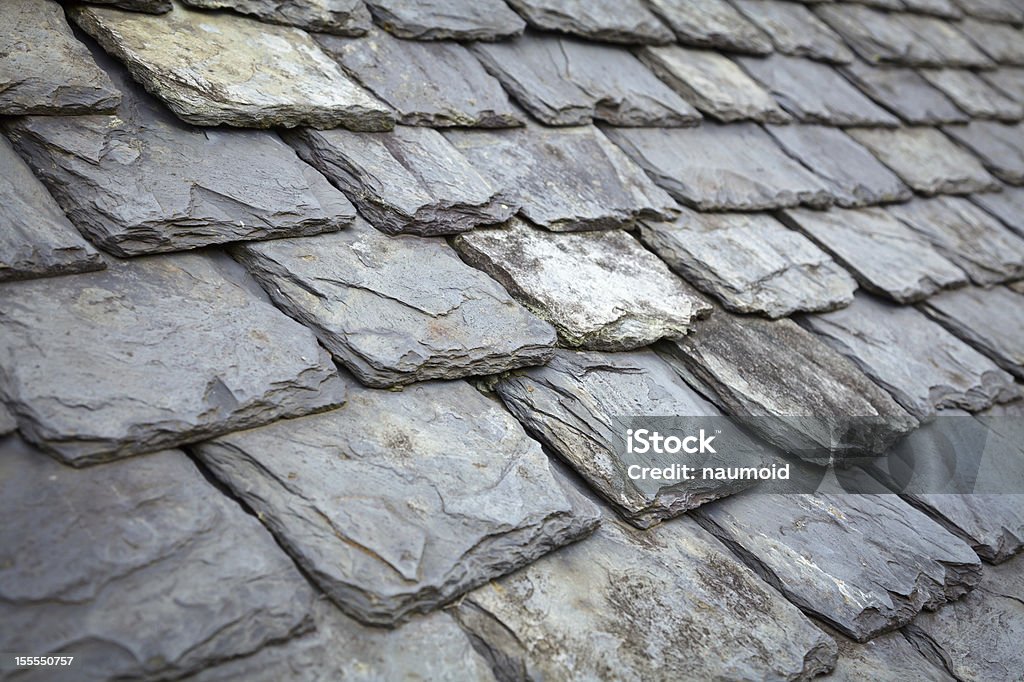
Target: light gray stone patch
pixel 428 83
pixel 885 256
pixel 1008 80
pixel 1004 44
pixel 714 167
pixel 138 569
pixel 447 19
pixel 922 365
pixel 795 30
pixel 993 10
pixel 44 69
pixel 1007 205
pixel 750 263
pixel 905 93
pixel 613 21
pixel 566 81
pixel 926 160
pixel 999 146
pixel 399 502
pixel 398 309
pixel 972 94
pixel 566 179
pixel 36 239
pixel 711 23
pixel 946 9
pixel 339 17
pixel 151 353
pixel 713 83
pixel 8 424
pixel 601 290
pixel 885 657
pixel 968 236
pixel 956 49
pixel 815 93
pixel 214 68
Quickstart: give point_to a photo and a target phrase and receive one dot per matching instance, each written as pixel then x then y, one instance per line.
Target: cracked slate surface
pixel 447 19
pixel 614 21
pixel 711 23
pixel 999 146
pixel 905 93
pixel 888 656
pixel 339 17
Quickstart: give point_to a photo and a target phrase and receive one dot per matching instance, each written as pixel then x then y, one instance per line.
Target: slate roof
pixel 318 319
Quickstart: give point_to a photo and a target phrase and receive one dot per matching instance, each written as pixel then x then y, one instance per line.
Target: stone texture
pixel 750 263
pixel 815 93
pixel 1004 44
pixel 955 48
pixel 999 146
pixel 36 239
pixel 409 180
pixel 795 30
pixel 566 81
pixel 138 569
pixel 864 564
pixel 1009 81
pixel 993 10
pixel 905 93
pixel 711 23
pixel 885 256
pixel 43 67
pixel 447 19
pixel 972 94
pixel 427 83
pixel 339 17
pixel 8 424
pixel 713 83
pixel 923 366
pixel 613 21
pixel 148 6
pixel 221 68
pixel 1007 205
pixel 926 160
pixel 152 353
pixel 401 501
pixel 601 290
pixel 567 179
pixel 397 309
pixel 886 657
pixel 736 167
pixel 940 8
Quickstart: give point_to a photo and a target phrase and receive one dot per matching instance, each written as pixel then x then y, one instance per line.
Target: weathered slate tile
pixel 885 256
pixel 139 569
pixel 1004 44
pixel 864 564
pixel 854 176
pixel 750 263
pixel 8 424
pixel 795 30
pixel 339 17
pixel 814 92
pixel 713 83
pixel 219 68
pixel 447 19
pixel 384 514
pixel 565 179
pixel 999 146
pixel 566 81
pixel 151 353
pixel 722 167
pixel 885 657
pixel 427 83
pixel 922 365
pixel 993 10
pixel 1009 81
pixel 1007 205
pixel 711 23
pixel 613 21
pixel 946 9
pixel 601 290
pixel 36 239
pixel 398 309
pixel 44 69
pixel 905 93
pixel 926 160
pixel 972 94
pixel 956 48
pixel 967 236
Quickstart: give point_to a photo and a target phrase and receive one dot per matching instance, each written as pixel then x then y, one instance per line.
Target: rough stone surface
pixel 1004 44
pixel 885 256
pixel 151 353
pixel 940 8
pixel 885 657
pixel 711 23
pixel 1007 205
pixel 401 501
pixel 905 93
pixel 795 30
pixel 398 309
pixel 926 160
pixel 339 17
pixel 566 81
pixel 613 21
pixel 1009 81
pixel 567 179
pixel 427 83
pixel 923 366
pixel 601 290
pixel 955 48
pixel 715 167
pixel 447 19
pixel 972 94
pixel 864 564
pixel 409 180
pixel 750 262
pixel 8 424
pixel 149 6
pixel 993 10
pixel 138 569
pixel 713 83
pixel 999 146
pixel 221 68
pixel 43 67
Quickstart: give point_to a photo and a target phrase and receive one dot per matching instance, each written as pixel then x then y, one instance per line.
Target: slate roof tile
pixel 1008 80
pixel 972 94
pixel 795 30
pixel 905 93
pixel 1004 44
pixel 447 19
pixel 1007 205
pixel 8 424
pixel 711 23
pixel 999 146
pixel 953 46
pixel 993 10
pixel 148 6
pixel 940 8
pixel 339 17
pixel 615 21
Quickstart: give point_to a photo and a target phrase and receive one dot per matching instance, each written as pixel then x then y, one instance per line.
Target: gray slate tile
pixel 601 290
pixel 447 19
pixel 148 6
pixel 395 310
pixel 795 30
pixel 722 167
pixel 1004 44
pixel 44 69
pixel 565 179
pixel 437 83
pixel 885 657
pixel 1008 80
pixel 384 513
pixel 972 94
pixel 711 23
pixel 750 263
pixel 566 81
pixel 993 10
pixel 339 17
pixel 151 353
pixel 955 48
pixel 905 93
pixel 139 569
pixel 999 146
pixel 940 8
pixel 8 424
pixel 222 68
pixel 1007 205
pixel 614 21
